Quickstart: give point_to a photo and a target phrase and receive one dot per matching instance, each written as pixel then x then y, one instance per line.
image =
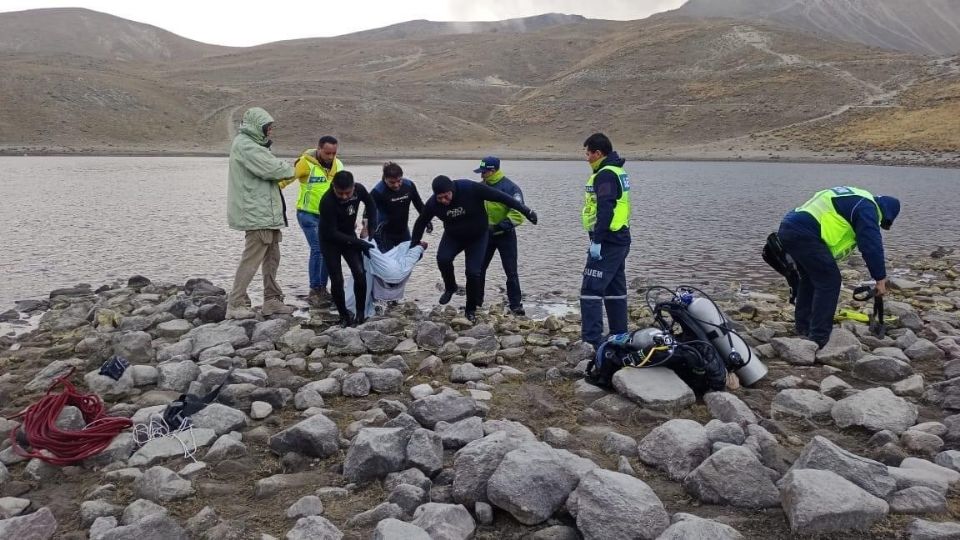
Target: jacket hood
pixel 252 125
pixel 613 158
pixel 889 209
pixel 310 154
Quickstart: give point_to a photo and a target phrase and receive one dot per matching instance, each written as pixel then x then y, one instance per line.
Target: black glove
pixel 530 215
pixel 414 243
pixel 364 247
pixel 429 228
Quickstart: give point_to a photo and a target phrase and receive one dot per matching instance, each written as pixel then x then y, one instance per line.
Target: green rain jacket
pixel 254 200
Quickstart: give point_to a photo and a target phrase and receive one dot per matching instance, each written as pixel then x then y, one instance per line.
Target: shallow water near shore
pixel 97 219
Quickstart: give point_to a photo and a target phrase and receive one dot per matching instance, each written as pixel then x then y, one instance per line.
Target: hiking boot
pixel 471 316
pixel 345 321
pixel 318 297
pixel 518 311
pixel 276 307
pixel 445 297
pixel 240 312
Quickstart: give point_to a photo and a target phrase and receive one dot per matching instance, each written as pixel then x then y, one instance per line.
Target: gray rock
pixel 140 509
pixel 311 505
pixel 226 447
pixel 881 369
pixel 442 407
pixel 414 477
pixel 655 388
pixel 727 407
pixel 384 380
pixel 921 442
pixel 408 497
pixel 690 527
pixel 378 342
pixel 177 376
pixel 458 434
pixel 476 462
pixel 45 377
pixel 733 476
pixel 514 429
pixel 70 419
pixel 173 329
pixel 624 466
pixel 394 529
pixel 949 459
pixel 298 339
pixel 202 521
pixel 171 446
pixel 260 410
pixel 356 385
pixel 429 335
pixel 12 506
pixel 558 437
pixel 445 521
pixel 39 525
pixel 842 350
pixel 892 352
pixel 907 478
pixel 345 342
pixel 911 386
pixel 429 365
pixel 922 350
pixel 161 484
pixel 135 347
pixel 316 436
pixel 796 351
pixel 586 392
pixel 619 445
pixel 949 475
pixel 314 528
pixel 311 395
pixel 272 485
pixel 918 500
pixel 182 348
pixel 820 453
pixel 875 409
pixel 677 447
pixel 728 432
pixel 155 527
pixel 603 494
pixel 822 502
pixel 557 532
pixel 101 526
pixel 801 403
pixel 211 335
pixel 380 512
pixel 270 330
pixel 921 529
pixel 220 418
pixel 375 452
pixel 531 483
pixel 461 373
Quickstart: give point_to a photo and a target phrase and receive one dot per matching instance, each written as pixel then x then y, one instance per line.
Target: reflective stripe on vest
pixel 316 186
pixel 621 212
pixel 836 232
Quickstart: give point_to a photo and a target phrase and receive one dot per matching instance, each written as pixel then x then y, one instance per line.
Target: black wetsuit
pixel 393 212
pixel 338 222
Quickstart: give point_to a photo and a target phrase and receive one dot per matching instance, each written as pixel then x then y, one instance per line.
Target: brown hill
pixel 654 85
pixel 920 26
pixel 423 28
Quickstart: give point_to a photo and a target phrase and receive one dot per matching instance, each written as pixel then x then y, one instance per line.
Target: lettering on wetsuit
pixel 593 272
pixel 456 212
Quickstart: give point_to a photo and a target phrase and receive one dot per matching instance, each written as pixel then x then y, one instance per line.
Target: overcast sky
pixel 242 24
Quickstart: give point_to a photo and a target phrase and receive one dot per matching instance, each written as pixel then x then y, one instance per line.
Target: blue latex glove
pixel 595 252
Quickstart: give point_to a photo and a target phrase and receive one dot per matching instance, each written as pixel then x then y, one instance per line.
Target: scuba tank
pixel 738 356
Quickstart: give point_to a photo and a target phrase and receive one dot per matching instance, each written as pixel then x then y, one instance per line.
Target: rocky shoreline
pixel 421 425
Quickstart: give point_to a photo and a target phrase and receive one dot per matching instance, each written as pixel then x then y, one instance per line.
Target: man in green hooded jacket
pixel 255 205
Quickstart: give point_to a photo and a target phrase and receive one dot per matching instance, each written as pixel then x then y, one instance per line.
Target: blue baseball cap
pixel 488 163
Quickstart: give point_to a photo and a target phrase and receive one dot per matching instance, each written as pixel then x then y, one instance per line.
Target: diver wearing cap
pixel 459 204
pixel 821 232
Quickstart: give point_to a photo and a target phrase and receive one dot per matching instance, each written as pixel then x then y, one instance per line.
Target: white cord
pixel 156 428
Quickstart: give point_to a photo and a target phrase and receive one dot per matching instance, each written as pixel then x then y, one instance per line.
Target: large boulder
pixel 445 521
pixel 476 462
pixel 843 349
pixel 655 388
pixel 822 502
pixel 531 483
pixel 609 504
pixel 39 525
pixel 270 330
pixel 425 451
pixel 875 409
pixel 211 335
pixel 316 436
pixel 881 369
pixel 678 446
pixel 733 476
pixel 822 454
pixel 445 407
pixel 376 452
pixel 135 347
pixel 429 335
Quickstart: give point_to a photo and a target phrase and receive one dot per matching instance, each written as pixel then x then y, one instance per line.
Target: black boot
pixel 446 296
pixel 346 321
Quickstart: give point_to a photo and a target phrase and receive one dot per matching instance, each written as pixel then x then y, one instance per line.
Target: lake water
pixel 68 220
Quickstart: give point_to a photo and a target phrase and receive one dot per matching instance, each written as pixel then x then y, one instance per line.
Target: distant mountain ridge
pixel 929 27
pixel 423 28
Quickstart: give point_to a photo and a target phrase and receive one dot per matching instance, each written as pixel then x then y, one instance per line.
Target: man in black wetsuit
pixel 338 221
pixel 393 196
pixel 459 205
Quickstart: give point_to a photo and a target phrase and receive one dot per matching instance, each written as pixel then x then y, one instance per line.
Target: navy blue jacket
pixel 606 187
pixel 393 207
pixel 465 218
pixel 507 186
pixel 861 214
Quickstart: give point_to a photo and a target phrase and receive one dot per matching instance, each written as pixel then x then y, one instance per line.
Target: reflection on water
pixel 96 219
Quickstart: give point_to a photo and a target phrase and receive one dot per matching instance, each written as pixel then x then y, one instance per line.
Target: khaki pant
pixel 261 248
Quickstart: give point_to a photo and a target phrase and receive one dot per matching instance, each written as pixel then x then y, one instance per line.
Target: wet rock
pixel 314 528
pixel 655 388
pixel 161 484
pixel 801 403
pixel 384 380
pixel 796 351
pixel 733 476
pixel 394 529
pixel 531 483
pixel 875 409
pixel 921 529
pixel 677 447
pixel 918 500
pixel 603 494
pixel 822 502
pixel 375 452
pixel 458 434
pixel 822 454
pixel 445 521
pixel 316 436
pixel 443 407
pixel 727 407
pixel 689 526
pixel 881 369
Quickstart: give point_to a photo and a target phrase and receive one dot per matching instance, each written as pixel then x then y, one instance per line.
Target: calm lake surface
pixel 69 220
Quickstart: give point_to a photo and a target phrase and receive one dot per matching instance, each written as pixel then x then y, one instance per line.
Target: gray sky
pixel 242 23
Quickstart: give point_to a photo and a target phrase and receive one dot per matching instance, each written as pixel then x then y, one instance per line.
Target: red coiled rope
pixel 66 447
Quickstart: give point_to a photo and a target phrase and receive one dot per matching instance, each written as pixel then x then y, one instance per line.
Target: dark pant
pixel 820 281
pixel 473 249
pixel 604 286
pixel 388 241
pixel 332 252
pixel 506 244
